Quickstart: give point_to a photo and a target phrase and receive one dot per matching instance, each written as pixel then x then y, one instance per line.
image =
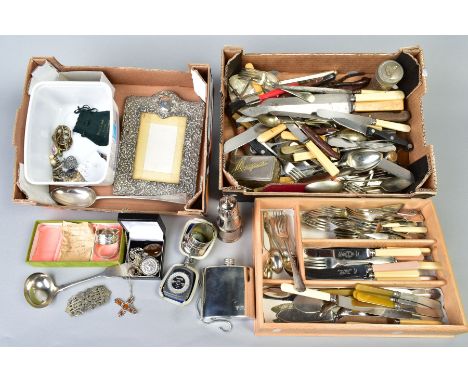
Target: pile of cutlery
pixel 387 222
pixel 363 303
pixel 320 127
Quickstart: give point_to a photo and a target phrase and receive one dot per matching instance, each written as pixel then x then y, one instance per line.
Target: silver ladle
pixel 40 289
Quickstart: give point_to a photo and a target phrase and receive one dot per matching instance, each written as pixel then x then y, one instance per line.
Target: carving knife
pixel 312 147
pixel 345 253
pixel 298 108
pixel 398 296
pixel 361 125
pixel 348 302
pixel 365 121
pixel 243 138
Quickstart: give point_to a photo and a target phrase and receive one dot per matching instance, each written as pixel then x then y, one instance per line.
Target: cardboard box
pixel 457 323
pixel 291 65
pixel 192 85
pixel 95 263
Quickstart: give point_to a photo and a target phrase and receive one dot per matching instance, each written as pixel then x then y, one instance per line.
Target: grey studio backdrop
pixel 163 324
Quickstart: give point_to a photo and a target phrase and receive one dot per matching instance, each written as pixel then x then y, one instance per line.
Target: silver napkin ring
pixel 107 236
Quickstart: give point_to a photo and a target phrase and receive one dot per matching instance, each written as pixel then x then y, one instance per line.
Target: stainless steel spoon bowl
pixel 325 186
pixel 395 184
pixel 269 120
pixel 363 159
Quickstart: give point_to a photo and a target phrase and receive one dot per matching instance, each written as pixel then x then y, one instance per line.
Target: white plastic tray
pixel 53 103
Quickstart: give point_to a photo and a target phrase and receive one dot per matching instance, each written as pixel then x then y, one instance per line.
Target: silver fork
pixel 288 167
pixel 282 231
pixel 331 262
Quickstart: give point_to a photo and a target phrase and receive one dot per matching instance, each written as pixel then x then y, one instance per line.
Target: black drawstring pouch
pixel 93 124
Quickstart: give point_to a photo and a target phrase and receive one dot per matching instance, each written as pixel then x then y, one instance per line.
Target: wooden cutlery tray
pixel 434 239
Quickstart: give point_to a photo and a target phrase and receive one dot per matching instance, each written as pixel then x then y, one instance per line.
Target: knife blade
pixel 400 295
pixel 312 147
pixel 365 272
pixel 366 121
pixel 364 129
pixel 345 253
pixel 347 302
pixel 388 302
pixel 244 137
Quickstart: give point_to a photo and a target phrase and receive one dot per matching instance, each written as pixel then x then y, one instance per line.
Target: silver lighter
pixel 227 292
pixel 229 219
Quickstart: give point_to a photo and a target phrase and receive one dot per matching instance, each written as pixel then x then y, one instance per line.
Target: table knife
pixel 362 253
pixel 243 138
pixel 400 295
pixel 348 302
pixel 390 271
pixel 388 302
pixel 312 147
pixel 363 128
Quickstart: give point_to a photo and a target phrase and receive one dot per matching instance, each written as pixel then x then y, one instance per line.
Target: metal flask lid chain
pixel 229 220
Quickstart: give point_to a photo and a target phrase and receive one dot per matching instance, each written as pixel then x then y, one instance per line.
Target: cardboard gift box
pixel 420 160
pixel 193 85
pixel 44 250
pixel 455 320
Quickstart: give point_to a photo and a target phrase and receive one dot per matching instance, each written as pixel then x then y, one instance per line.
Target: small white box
pixel 53 103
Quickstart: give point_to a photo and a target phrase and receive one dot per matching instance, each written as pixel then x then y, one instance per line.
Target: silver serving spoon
pixel 269 120
pixel 40 289
pixel 86 197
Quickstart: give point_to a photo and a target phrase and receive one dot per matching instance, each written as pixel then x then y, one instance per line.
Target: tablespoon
pixel 86 197
pixel 40 289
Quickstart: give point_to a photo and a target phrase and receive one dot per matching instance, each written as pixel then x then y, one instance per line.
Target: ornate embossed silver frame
pixel 165 104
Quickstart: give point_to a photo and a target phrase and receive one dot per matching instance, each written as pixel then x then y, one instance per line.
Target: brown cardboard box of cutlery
pixel 420 160
pixel 131 81
pixel 455 320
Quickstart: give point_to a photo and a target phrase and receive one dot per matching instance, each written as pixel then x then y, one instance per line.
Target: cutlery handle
pixel 374 290
pixel 374 299
pixel 406 274
pixel 320 143
pixel 285 187
pixel 410 229
pixel 365 320
pixel 393 125
pixel 288 136
pixel 392 105
pixel 391 95
pixel 396 252
pixel 429 265
pixel 269 134
pixel 322 158
pixel 401 116
pixel 312 293
pixel 402 266
pixel 298 157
